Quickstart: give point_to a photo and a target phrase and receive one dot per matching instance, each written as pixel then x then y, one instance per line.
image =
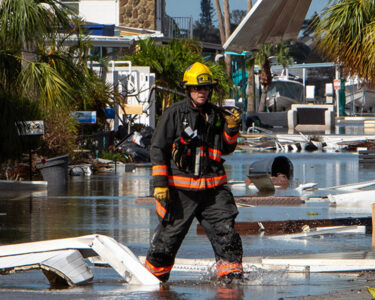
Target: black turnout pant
pixel 216 211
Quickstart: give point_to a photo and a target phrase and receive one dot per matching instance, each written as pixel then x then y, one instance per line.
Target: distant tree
pixel 206 15
pixel 304 49
pixel 204 29
pixel 309 25
pixel 236 16
pixel 206 34
pixel 299 51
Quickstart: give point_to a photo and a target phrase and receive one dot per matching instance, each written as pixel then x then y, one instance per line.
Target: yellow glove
pixel 233 118
pixel 161 193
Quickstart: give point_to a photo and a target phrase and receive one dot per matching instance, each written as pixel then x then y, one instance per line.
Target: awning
pixel 268 22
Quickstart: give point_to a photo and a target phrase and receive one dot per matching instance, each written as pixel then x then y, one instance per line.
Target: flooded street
pixel 109 204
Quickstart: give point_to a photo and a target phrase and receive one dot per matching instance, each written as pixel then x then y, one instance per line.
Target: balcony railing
pixel 178 27
pixel 72 4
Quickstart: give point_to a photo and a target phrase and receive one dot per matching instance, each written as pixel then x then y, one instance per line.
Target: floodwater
pixel 107 204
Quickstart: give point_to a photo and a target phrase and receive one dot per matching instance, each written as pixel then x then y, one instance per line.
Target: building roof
pixel 123 36
pixel 268 22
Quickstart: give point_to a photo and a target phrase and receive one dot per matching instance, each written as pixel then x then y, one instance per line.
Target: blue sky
pixel 191 8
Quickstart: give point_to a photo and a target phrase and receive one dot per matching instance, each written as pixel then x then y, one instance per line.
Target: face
pixel 199 94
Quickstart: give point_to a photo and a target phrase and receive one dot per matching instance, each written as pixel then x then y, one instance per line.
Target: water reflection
pixel 233 293
pixel 325 169
pixel 107 204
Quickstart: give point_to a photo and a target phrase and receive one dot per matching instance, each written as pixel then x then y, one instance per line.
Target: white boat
pixel 284 91
pixel 361 200
pixel 359 97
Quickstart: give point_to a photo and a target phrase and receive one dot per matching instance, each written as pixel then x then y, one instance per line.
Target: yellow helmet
pixel 198 74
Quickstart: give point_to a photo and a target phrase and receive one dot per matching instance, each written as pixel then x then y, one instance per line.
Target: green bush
pixel 14 110
pixel 114 156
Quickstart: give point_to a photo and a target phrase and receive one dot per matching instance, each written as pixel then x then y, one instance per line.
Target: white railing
pixel 178 27
pixel 73 4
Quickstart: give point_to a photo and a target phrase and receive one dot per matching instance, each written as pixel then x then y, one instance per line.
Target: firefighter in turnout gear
pixel 189 177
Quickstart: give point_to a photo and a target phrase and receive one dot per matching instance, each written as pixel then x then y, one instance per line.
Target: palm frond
pixel 40 79
pixel 344 35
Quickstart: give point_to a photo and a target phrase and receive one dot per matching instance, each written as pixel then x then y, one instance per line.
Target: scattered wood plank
pixel 243 200
pixel 269 200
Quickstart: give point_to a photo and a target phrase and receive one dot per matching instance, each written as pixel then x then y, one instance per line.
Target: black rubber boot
pixel 232 278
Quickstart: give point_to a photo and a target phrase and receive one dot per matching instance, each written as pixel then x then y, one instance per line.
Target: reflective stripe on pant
pixel 157 271
pixel 215 210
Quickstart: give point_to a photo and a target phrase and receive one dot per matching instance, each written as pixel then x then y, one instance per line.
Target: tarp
pixel 268 22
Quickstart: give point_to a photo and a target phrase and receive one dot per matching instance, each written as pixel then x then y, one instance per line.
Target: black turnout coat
pixel 214 139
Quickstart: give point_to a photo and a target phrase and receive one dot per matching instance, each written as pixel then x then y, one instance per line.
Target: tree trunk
pixel 250 90
pixel 265 80
pixel 226 19
pixel 220 22
pixel 249 5
pixel 262 103
pixel 228 59
pixel 250 78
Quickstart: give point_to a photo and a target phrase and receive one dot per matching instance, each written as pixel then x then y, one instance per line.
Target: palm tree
pixel 15 110
pixel 345 34
pixel 25 25
pixel 167 61
pixel 36 64
pixel 265 76
pixel 262 58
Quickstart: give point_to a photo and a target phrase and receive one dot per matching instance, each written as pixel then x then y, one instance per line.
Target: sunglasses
pixel 201 87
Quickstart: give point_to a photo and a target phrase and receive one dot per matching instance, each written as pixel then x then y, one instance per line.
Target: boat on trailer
pixel 359 96
pixel 284 91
